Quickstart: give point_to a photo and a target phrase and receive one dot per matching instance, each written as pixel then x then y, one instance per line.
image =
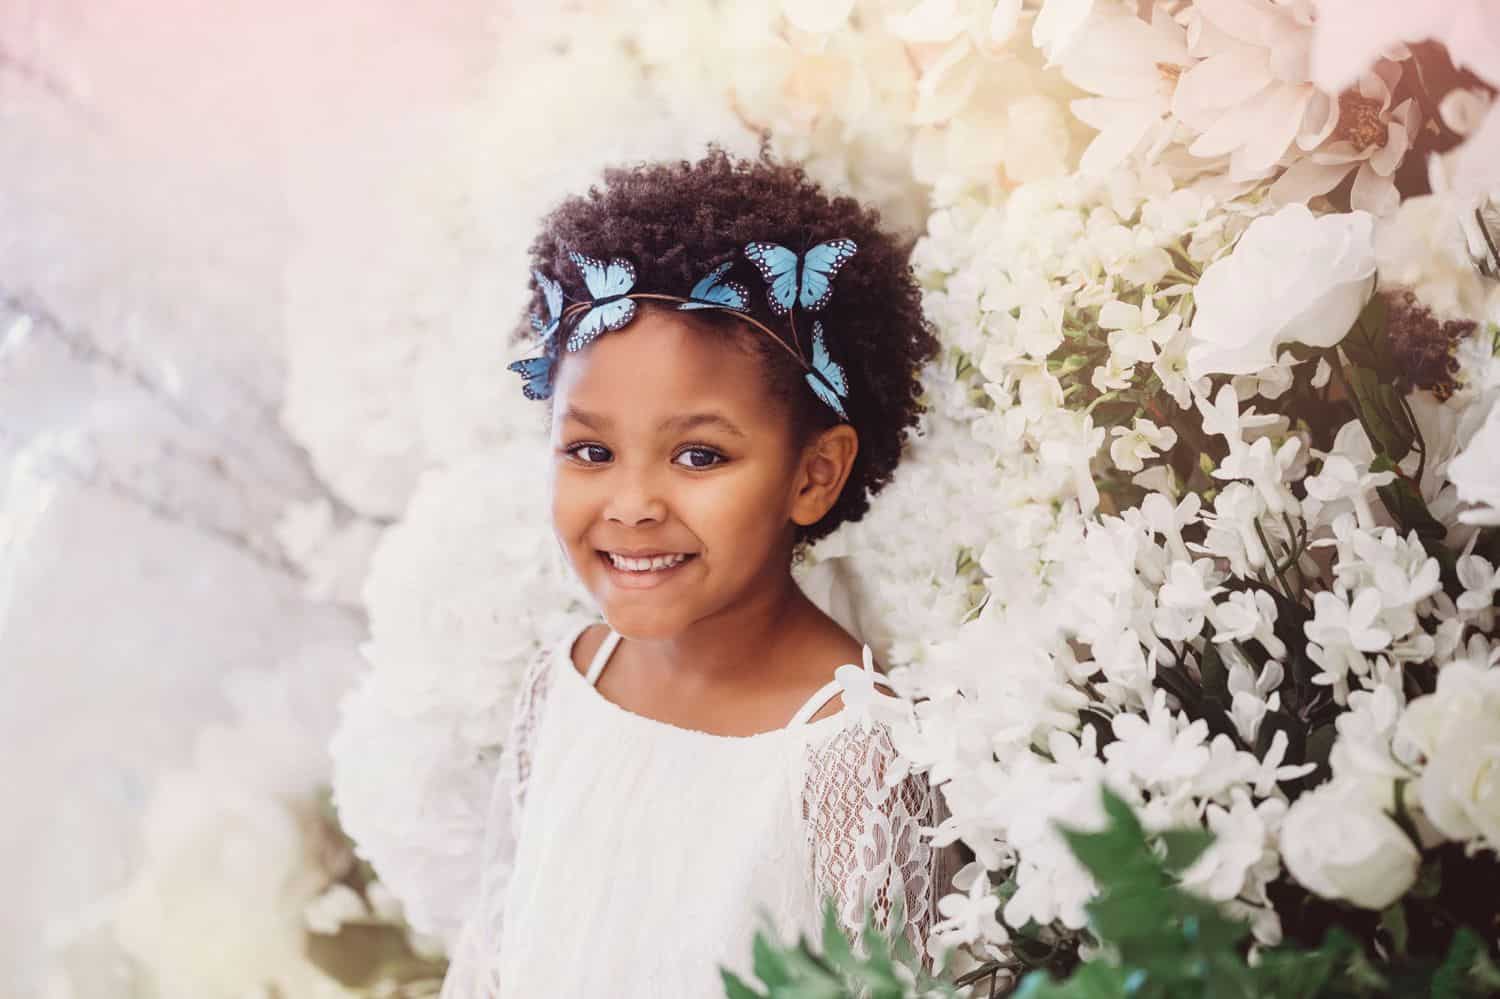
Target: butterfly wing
pixel 712 292
pixel 832 382
pixel 535 371
pixel 778 266
pixel 604 280
pixel 826 394
pixel 552 291
pixel 820 266
pixel 826 365
pixel 601 319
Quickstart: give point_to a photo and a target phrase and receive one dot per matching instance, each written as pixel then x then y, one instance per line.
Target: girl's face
pixel 663 440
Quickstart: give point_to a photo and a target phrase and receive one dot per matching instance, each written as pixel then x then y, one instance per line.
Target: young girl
pixel 729 364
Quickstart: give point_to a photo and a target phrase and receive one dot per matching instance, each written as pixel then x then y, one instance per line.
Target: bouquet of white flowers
pixel 1250 584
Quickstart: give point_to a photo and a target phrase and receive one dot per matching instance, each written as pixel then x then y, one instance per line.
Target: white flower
pixel 1265 469
pixel 1133 66
pixel 1244 839
pixel 1370 138
pixel 968 916
pixel 1057 25
pixel 1250 96
pixel 1339 845
pixel 1137 331
pixel 1292 278
pixel 1480 581
pixel 1185 599
pixel 1161 750
pixel 1247 615
pixel 1457 729
pixel 1172 368
pixel 1223 418
pixel 865 703
pixel 1345 479
pixel 1476 473
pixel 1341 633
pixel 1132 447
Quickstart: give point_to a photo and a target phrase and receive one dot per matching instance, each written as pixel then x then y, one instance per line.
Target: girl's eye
pixel 702 450
pixel 577 448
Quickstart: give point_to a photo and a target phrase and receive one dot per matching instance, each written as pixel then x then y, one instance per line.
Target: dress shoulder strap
pixel 606 649
pixel 821 697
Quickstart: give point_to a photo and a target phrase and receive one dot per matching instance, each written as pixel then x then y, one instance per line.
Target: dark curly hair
pixel 676 221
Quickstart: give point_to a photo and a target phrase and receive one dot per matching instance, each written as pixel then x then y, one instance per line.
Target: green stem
pixel 1488 240
pixel 1411 418
pixel 1271 557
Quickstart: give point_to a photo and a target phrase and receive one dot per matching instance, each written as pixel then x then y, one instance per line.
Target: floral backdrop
pixel 1215 429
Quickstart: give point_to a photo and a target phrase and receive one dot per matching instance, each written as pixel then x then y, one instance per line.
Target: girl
pixel 729 365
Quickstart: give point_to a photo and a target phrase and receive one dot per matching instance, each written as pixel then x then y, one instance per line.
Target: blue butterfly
pixel 607 284
pixel 712 292
pixel 537 371
pixel 554 296
pixel 807 280
pixel 832 382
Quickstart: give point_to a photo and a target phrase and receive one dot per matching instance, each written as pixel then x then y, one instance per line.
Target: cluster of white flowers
pixel 236 850
pixel 1150 638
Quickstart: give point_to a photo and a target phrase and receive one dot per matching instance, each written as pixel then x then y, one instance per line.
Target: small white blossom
pixel 1134 446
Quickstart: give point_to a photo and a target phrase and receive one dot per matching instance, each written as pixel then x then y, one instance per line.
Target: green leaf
pixel 1115 412
pixel 1393 922
pixel 1184 847
pixel 1380 412
pixel 1095 980
pixel 769 964
pixel 1215 674
pixel 1403 501
pixel 836 948
pixel 1367 343
pixel 734 988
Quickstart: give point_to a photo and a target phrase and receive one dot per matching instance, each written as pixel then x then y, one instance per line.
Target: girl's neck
pixel 770 632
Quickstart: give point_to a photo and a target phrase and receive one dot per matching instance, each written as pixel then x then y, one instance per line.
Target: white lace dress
pixel 626 856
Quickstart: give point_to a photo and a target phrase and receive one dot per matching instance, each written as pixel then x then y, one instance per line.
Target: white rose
pixel 1457 729
pixel 1476 473
pixel 1293 278
pixel 1340 845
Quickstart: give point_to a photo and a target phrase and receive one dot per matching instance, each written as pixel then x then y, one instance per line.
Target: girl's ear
pixel 825 467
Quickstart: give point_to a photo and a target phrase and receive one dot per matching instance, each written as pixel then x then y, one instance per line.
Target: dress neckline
pixel 563 660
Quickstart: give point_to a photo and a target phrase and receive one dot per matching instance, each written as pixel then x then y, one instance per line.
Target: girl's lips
pixel 628 580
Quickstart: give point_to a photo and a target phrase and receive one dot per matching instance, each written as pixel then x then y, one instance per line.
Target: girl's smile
pixel 648 578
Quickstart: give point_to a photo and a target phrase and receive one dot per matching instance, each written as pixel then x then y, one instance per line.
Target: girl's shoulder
pixel 582 643
pixel 571 648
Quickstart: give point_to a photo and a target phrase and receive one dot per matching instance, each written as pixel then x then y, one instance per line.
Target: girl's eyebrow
pixel 676 424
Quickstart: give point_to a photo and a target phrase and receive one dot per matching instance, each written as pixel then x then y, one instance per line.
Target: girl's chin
pixel 642 630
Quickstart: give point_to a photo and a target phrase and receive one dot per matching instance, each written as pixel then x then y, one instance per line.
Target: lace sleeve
pixel 864 838
pixel 472 971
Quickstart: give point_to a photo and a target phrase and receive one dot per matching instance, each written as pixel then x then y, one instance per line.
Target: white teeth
pixel 645 564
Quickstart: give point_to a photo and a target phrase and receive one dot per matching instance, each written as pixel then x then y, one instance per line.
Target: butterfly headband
pixel 793 281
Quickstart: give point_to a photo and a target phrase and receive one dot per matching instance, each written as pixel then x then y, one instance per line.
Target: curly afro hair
pixel 676 221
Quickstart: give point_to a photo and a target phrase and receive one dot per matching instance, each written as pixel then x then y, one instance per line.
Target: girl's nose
pixel 635 495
